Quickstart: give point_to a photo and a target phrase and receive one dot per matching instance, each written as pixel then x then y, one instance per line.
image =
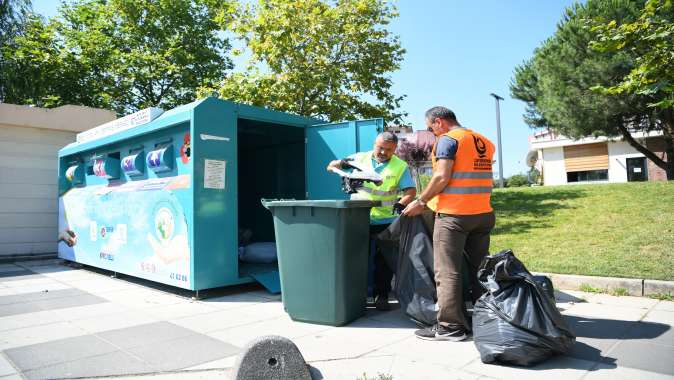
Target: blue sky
pixel 458 52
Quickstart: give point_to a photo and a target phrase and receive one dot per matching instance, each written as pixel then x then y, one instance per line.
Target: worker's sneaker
pixel 439 332
pixel 381 303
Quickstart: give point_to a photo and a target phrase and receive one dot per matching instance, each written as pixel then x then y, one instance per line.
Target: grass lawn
pixel 617 230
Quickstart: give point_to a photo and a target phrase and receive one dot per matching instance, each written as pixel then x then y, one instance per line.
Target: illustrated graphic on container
pixel 106 167
pixel 161 159
pixel 75 174
pixel 134 164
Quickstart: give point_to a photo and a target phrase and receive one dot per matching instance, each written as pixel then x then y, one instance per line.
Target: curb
pixel 632 286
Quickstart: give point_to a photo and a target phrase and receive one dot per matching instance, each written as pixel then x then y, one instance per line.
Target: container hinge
pixel 306 140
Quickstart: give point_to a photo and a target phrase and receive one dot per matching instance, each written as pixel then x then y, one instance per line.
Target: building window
pixel 587 176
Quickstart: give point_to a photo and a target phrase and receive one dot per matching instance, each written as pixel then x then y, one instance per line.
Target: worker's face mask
pixel 384 150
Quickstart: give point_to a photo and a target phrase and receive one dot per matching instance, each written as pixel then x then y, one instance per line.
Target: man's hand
pixel 414 208
pixel 68 237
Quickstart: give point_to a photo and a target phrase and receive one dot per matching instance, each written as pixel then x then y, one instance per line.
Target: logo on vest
pixel 480 146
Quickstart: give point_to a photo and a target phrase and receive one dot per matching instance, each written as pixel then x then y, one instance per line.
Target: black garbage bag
pixel 414 279
pixel 516 321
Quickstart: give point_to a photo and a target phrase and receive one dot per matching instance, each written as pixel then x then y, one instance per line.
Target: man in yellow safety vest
pixel 395 192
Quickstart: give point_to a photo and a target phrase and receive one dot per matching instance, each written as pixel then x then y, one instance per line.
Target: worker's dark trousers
pixel 451 236
pixel 383 274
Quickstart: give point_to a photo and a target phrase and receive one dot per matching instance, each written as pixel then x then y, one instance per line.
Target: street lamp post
pixel 498 133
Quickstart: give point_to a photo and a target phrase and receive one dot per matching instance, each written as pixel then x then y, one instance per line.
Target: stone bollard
pixel 271 357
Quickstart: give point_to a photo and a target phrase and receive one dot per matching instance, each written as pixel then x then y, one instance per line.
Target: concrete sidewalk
pixel 60 322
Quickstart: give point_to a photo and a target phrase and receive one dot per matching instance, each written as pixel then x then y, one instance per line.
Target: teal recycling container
pixel 322 254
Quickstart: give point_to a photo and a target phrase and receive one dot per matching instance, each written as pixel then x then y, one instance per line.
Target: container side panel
pixel 127 217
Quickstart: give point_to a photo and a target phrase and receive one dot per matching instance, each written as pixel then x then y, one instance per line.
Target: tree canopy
pixel 319 58
pixel 562 83
pixel 120 54
pixel 325 59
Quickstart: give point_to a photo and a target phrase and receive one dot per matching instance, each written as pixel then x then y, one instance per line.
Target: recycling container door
pixel 327 142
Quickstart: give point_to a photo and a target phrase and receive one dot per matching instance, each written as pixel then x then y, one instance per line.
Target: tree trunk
pixel 668 163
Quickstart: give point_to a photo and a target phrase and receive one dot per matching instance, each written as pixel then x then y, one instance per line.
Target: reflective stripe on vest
pixel 468 191
pixel 473 175
pixel 388 192
pixel 379 192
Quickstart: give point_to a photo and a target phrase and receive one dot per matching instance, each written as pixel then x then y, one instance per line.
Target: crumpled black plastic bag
pixel 414 283
pixel 516 321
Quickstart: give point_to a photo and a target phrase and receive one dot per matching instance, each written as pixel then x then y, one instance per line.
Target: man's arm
pixel 336 164
pixel 408 187
pixel 408 196
pixel 441 175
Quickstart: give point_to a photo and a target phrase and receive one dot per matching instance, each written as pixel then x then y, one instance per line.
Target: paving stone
pixel 404 368
pixel 6 368
pixel 664 306
pixel 12 377
pixel 454 355
pixel 559 367
pixel 224 319
pixel 27 281
pixel 651 332
pixel 115 363
pixel 38 334
pixel 234 301
pixel 622 301
pixel 20 321
pixel 283 326
pixel 48 287
pixel 144 335
pixel 612 372
pixel 39 296
pixel 358 338
pixel 18 274
pixel 101 285
pixel 184 352
pixel 66 302
pixel 18 308
pixel 113 321
pixel 647 356
pixel 227 362
pixel 607 312
pixel 58 351
pixel 140 298
pixel 661 316
pixel 180 310
pixel 10 268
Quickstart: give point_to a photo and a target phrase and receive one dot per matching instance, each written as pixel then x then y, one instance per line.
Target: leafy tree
pixel 319 58
pixel 559 83
pixel 517 180
pixel 124 54
pixel 12 17
pixel 650 39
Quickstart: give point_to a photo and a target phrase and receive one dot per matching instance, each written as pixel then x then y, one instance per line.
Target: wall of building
pixel 618 152
pixel 29 142
pixel 554 172
pixel 656 173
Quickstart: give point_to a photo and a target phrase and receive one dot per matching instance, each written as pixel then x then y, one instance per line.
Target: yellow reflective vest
pixel 388 192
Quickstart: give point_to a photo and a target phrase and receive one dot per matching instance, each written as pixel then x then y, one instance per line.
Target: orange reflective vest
pixel 468 191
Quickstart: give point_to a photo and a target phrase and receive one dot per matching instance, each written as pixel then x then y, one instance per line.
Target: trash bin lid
pixel 325 203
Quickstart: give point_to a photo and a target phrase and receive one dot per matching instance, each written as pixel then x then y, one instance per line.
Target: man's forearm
pixel 408 197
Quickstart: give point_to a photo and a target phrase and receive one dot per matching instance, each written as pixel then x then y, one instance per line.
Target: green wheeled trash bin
pixel 322 248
